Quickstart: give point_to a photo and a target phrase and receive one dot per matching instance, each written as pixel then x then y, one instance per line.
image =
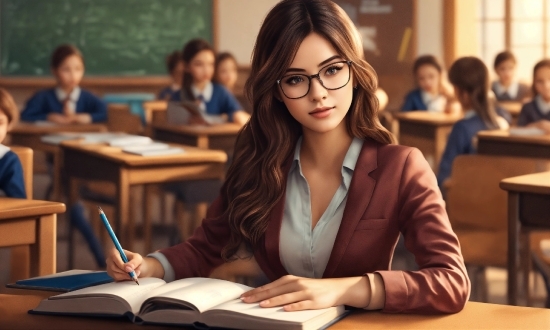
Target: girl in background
pixel 11 171
pixel 226 71
pixel 431 94
pixel 67 103
pixel 174 65
pixel 537 112
pixel 470 79
pixel 214 99
pixel 507 88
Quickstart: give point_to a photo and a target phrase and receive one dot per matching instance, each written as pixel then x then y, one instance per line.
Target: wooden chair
pixel 120 119
pixel 20 256
pixel 477 208
pixel 152 107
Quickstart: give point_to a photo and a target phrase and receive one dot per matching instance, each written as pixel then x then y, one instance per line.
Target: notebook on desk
pixel 202 302
pixel 179 113
pixel 63 282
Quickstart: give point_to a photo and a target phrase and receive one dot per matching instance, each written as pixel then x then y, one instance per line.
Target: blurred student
pixel 11 171
pixel 506 87
pixel 174 65
pixel 537 112
pixel 226 71
pixel 212 98
pixel 470 79
pixel 67 103
pixel 431 94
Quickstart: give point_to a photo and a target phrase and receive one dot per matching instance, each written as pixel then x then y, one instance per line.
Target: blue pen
pixel 115 241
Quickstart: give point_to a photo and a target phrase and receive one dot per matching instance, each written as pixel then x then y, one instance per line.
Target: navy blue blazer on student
pixel 167 93
pixel 45 102
pixel 531 113
pixel 460 142
pixel 221 101
pixel 413 101
pixel 11 176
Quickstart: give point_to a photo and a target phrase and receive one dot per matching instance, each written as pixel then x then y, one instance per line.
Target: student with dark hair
pixel 226 70
pixel 67 103
pixel 431 94
pixel 318 192
pixel 12 183
pixel 470 79
pixel 537 112
pixel 507 88
pixel 174 65
pixel 212 98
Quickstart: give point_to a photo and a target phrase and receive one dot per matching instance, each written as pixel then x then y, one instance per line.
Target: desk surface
pixel 198 130
pixel 14 307
pixel 514 108
pixel 46 128
pixel 425 117
pixel 116 155
pixel 505 136
pixel 11 208
pixel 537 183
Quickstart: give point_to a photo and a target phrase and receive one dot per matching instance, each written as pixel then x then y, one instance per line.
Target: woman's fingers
pixel 284 299
pixel 269 293
pixel 269 286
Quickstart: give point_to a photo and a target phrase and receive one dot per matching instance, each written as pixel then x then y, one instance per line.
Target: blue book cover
pixel 63 283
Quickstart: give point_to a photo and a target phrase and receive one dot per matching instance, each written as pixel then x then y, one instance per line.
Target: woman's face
pixel 227 73
pixel 542 82
pixel 320 110
pixel 69 74
pixel 505 71
pixel 428 78
pixel 201 67
pixel 3 125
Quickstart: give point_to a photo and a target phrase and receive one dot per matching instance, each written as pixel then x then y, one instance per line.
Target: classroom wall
pixel 429 18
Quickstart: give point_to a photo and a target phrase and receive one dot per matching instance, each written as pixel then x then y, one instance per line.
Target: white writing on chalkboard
pixel 374 7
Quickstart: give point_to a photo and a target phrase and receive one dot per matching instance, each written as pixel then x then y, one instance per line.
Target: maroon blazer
pixel 392 190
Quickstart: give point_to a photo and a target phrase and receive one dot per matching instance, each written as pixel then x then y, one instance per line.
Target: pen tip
pixel 99 209
pixel 135 280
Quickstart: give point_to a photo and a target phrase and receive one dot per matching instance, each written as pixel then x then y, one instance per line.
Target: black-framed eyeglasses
pixel 332 76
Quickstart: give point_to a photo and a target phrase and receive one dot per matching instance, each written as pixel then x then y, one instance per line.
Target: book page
pixel 127 291
pixel 203 293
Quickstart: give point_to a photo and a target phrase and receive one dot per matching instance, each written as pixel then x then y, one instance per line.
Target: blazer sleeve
pixel 35 109
pixel 457 144
pixel 11 180
pixel 97 109
pixel 524 118
pixel 408 105
pixel 441 285
pixel 201 253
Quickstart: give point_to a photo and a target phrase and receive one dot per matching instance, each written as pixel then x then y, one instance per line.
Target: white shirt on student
pixel 73 97
pixel 512 90
pixel 206 94
pixel 434 103
pixel 543 106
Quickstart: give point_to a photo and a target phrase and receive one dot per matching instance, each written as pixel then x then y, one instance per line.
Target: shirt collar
pixel 469 114
pixel 206 93
pixel 62 95
pixel 3 150
pixel 543 106
pixel 512 90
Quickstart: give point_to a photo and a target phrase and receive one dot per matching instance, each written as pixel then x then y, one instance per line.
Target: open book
pixel 202 302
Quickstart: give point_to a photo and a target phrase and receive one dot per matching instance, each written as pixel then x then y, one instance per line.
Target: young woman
pixel 317 192
pixel 174 65
pixel 537 112
pixel 198 60
pixel 67 103
pixel 226 71
pixel 470 79
pixel 506 87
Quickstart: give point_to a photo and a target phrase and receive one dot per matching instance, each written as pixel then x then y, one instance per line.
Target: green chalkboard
pixel 117 37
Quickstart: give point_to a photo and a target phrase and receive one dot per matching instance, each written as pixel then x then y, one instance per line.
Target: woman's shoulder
pixel 390 152
pixel 87 94
pixel 531 105
pixel 414 93
pixel 44 93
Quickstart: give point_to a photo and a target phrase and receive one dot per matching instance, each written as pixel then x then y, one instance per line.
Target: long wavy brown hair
pixel 256 181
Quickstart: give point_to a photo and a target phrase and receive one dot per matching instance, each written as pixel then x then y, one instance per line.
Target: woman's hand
pixel 82 118
pixel 299 293
pixel 59 118
pixel 143 267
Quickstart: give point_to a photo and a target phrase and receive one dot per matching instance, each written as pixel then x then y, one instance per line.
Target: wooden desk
pixel 104 163
pixel 14 307
pixel 427 132
pixel 28 135
pixel 501 143
pixel 222 136
pixel 513 108
pixel 528 208
pixel 31 223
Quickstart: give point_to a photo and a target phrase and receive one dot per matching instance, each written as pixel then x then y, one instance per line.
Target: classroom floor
pixel 496 277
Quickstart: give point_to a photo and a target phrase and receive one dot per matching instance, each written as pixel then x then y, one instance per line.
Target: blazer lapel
pixel 359 195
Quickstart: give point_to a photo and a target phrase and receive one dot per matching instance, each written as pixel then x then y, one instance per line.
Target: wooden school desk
pixel 427 132
pixel 104 163
pixel 221 136
pixel 31 223
pixel 501 143
pixel 513 108
pixel 14 308
pixel 528 208
pixel 29 134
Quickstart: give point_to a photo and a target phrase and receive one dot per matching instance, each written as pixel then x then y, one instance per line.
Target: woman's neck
pixel 325 151
pixel 505 84
pixel 200 86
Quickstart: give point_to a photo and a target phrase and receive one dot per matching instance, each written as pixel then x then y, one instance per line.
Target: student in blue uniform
pixel 470 79
pixel 11 171
pixel 506 87
pixel 431 95
pixel 212 98
pixel 537 112
pixel 174 65
pixel 226 71
pixel 67 103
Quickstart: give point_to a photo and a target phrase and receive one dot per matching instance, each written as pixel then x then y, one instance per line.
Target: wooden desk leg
pixel 72 200
pixel 43 251
pixel 202 142
pixel 147 226
pixel 513 225
pixel 56 184
pixel 122 209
